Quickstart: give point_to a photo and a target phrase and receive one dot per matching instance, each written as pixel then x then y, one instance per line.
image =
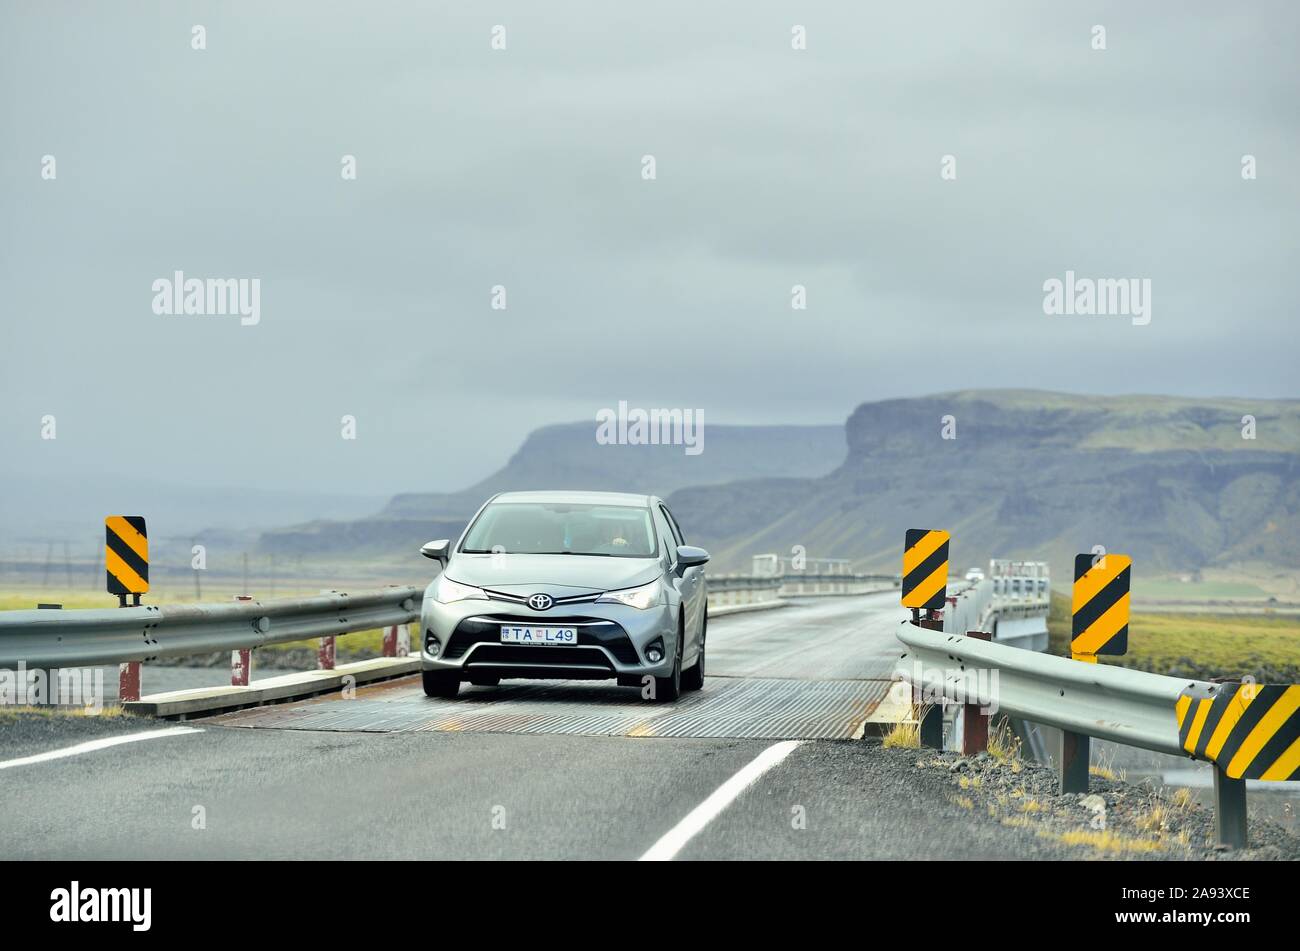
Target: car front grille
pixel 540 656
pixel 592 632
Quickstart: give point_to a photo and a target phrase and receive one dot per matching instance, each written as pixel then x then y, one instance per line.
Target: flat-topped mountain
pixel 1031 474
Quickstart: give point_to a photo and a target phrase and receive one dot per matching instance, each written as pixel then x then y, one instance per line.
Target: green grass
pixel 27 602
pixel 362 642
pixel 1171 589
pixel 1265 646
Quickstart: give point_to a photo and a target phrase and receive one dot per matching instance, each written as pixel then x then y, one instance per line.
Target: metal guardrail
pixel 1016 620
pixel 95 637
pixel 83 638
pixel 969 606
pixel 1125 706
pixel 723 583
pixel 1023 608
pixel 740 589
pixel 1110 703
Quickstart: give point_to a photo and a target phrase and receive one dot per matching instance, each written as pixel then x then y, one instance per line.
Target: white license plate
pixel 539 636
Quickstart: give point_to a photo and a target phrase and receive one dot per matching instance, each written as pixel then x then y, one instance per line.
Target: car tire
pixel 693 676
pixel 668 689
pixel 441 683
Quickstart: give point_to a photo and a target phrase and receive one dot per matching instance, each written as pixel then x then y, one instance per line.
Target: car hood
pixel 578 574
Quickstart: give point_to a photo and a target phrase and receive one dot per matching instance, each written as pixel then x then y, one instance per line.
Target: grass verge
pixel 1200 646
pixel 903 735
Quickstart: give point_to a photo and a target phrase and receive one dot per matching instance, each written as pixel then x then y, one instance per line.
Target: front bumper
pixel 612 640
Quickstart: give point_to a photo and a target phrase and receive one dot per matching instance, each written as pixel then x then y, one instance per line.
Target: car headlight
pixel 639 598
pixel 448 591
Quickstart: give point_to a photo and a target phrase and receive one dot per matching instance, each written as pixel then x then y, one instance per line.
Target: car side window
pixel 666 533
pixel 672 523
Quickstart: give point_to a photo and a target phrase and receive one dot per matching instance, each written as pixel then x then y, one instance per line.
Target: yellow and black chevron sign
pixel 925 568
pixel 1100 606
pixel 1250 731
pixel 126 554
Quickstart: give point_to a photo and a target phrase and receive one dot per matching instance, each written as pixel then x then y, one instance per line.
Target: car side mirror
pixel 437 550
pixel 688 556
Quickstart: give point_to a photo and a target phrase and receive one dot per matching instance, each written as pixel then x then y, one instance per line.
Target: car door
pixel 669 543
pixel 692 584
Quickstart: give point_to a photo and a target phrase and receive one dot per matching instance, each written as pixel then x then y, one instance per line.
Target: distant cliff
pixel 1170 481
pixel 1030 474
pixel 567 456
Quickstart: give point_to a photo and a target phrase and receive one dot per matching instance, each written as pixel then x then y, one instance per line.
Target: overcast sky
pixel 523 167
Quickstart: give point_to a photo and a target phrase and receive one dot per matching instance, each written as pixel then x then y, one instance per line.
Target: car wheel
pixel 668 689
pixel 441 683
pixel 693 676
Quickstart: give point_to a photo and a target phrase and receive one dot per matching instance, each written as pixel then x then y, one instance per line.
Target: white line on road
pixel 699 817
pixel 92 745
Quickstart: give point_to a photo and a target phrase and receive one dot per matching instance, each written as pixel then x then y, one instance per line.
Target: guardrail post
pixel 403 640
pixel 931 726
pixel 975 723
pixel 49 696
pixel 128 681
pixel 241 659
pixel 1229 809
pixel 390 641
pixel 325 653
pixel 1075 753
pixel 930 729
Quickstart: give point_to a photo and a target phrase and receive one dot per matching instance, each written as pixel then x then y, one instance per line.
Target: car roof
pixel 576 497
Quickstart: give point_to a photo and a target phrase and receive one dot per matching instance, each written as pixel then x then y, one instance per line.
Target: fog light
pixel 654 655
pixel 431 645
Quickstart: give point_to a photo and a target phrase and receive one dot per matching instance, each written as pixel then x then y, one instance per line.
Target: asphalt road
pixel 816 639
pixel 296 794
pixel 271 784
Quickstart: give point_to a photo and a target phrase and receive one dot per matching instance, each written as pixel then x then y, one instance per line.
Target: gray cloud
pixel 522 168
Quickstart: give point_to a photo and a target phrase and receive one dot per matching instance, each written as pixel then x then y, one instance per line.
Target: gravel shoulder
pixel 1114 819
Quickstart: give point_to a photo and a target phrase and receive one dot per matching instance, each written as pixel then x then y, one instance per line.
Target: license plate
pixel 539 636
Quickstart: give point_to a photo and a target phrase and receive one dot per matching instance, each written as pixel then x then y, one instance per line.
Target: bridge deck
pixel 813 671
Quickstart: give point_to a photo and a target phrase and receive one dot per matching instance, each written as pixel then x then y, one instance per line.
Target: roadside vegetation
pixel 1202 646
pixel 12 714
pixel 905 734
pixel 1113 819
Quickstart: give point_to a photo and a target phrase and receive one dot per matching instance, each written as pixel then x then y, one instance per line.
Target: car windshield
pixel 562 528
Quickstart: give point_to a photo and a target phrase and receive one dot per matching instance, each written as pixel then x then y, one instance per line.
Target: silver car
pixel 567 585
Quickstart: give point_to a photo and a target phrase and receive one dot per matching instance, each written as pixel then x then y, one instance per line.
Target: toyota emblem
pixel 540 602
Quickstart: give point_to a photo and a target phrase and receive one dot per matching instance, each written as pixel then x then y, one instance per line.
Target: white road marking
pixel 92 745
pixel 676 838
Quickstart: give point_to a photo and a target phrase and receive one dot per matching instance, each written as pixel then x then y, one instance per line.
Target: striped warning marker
pixel 925 568
pixel 126 554
pixel 1100 606
pixel 1250 731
